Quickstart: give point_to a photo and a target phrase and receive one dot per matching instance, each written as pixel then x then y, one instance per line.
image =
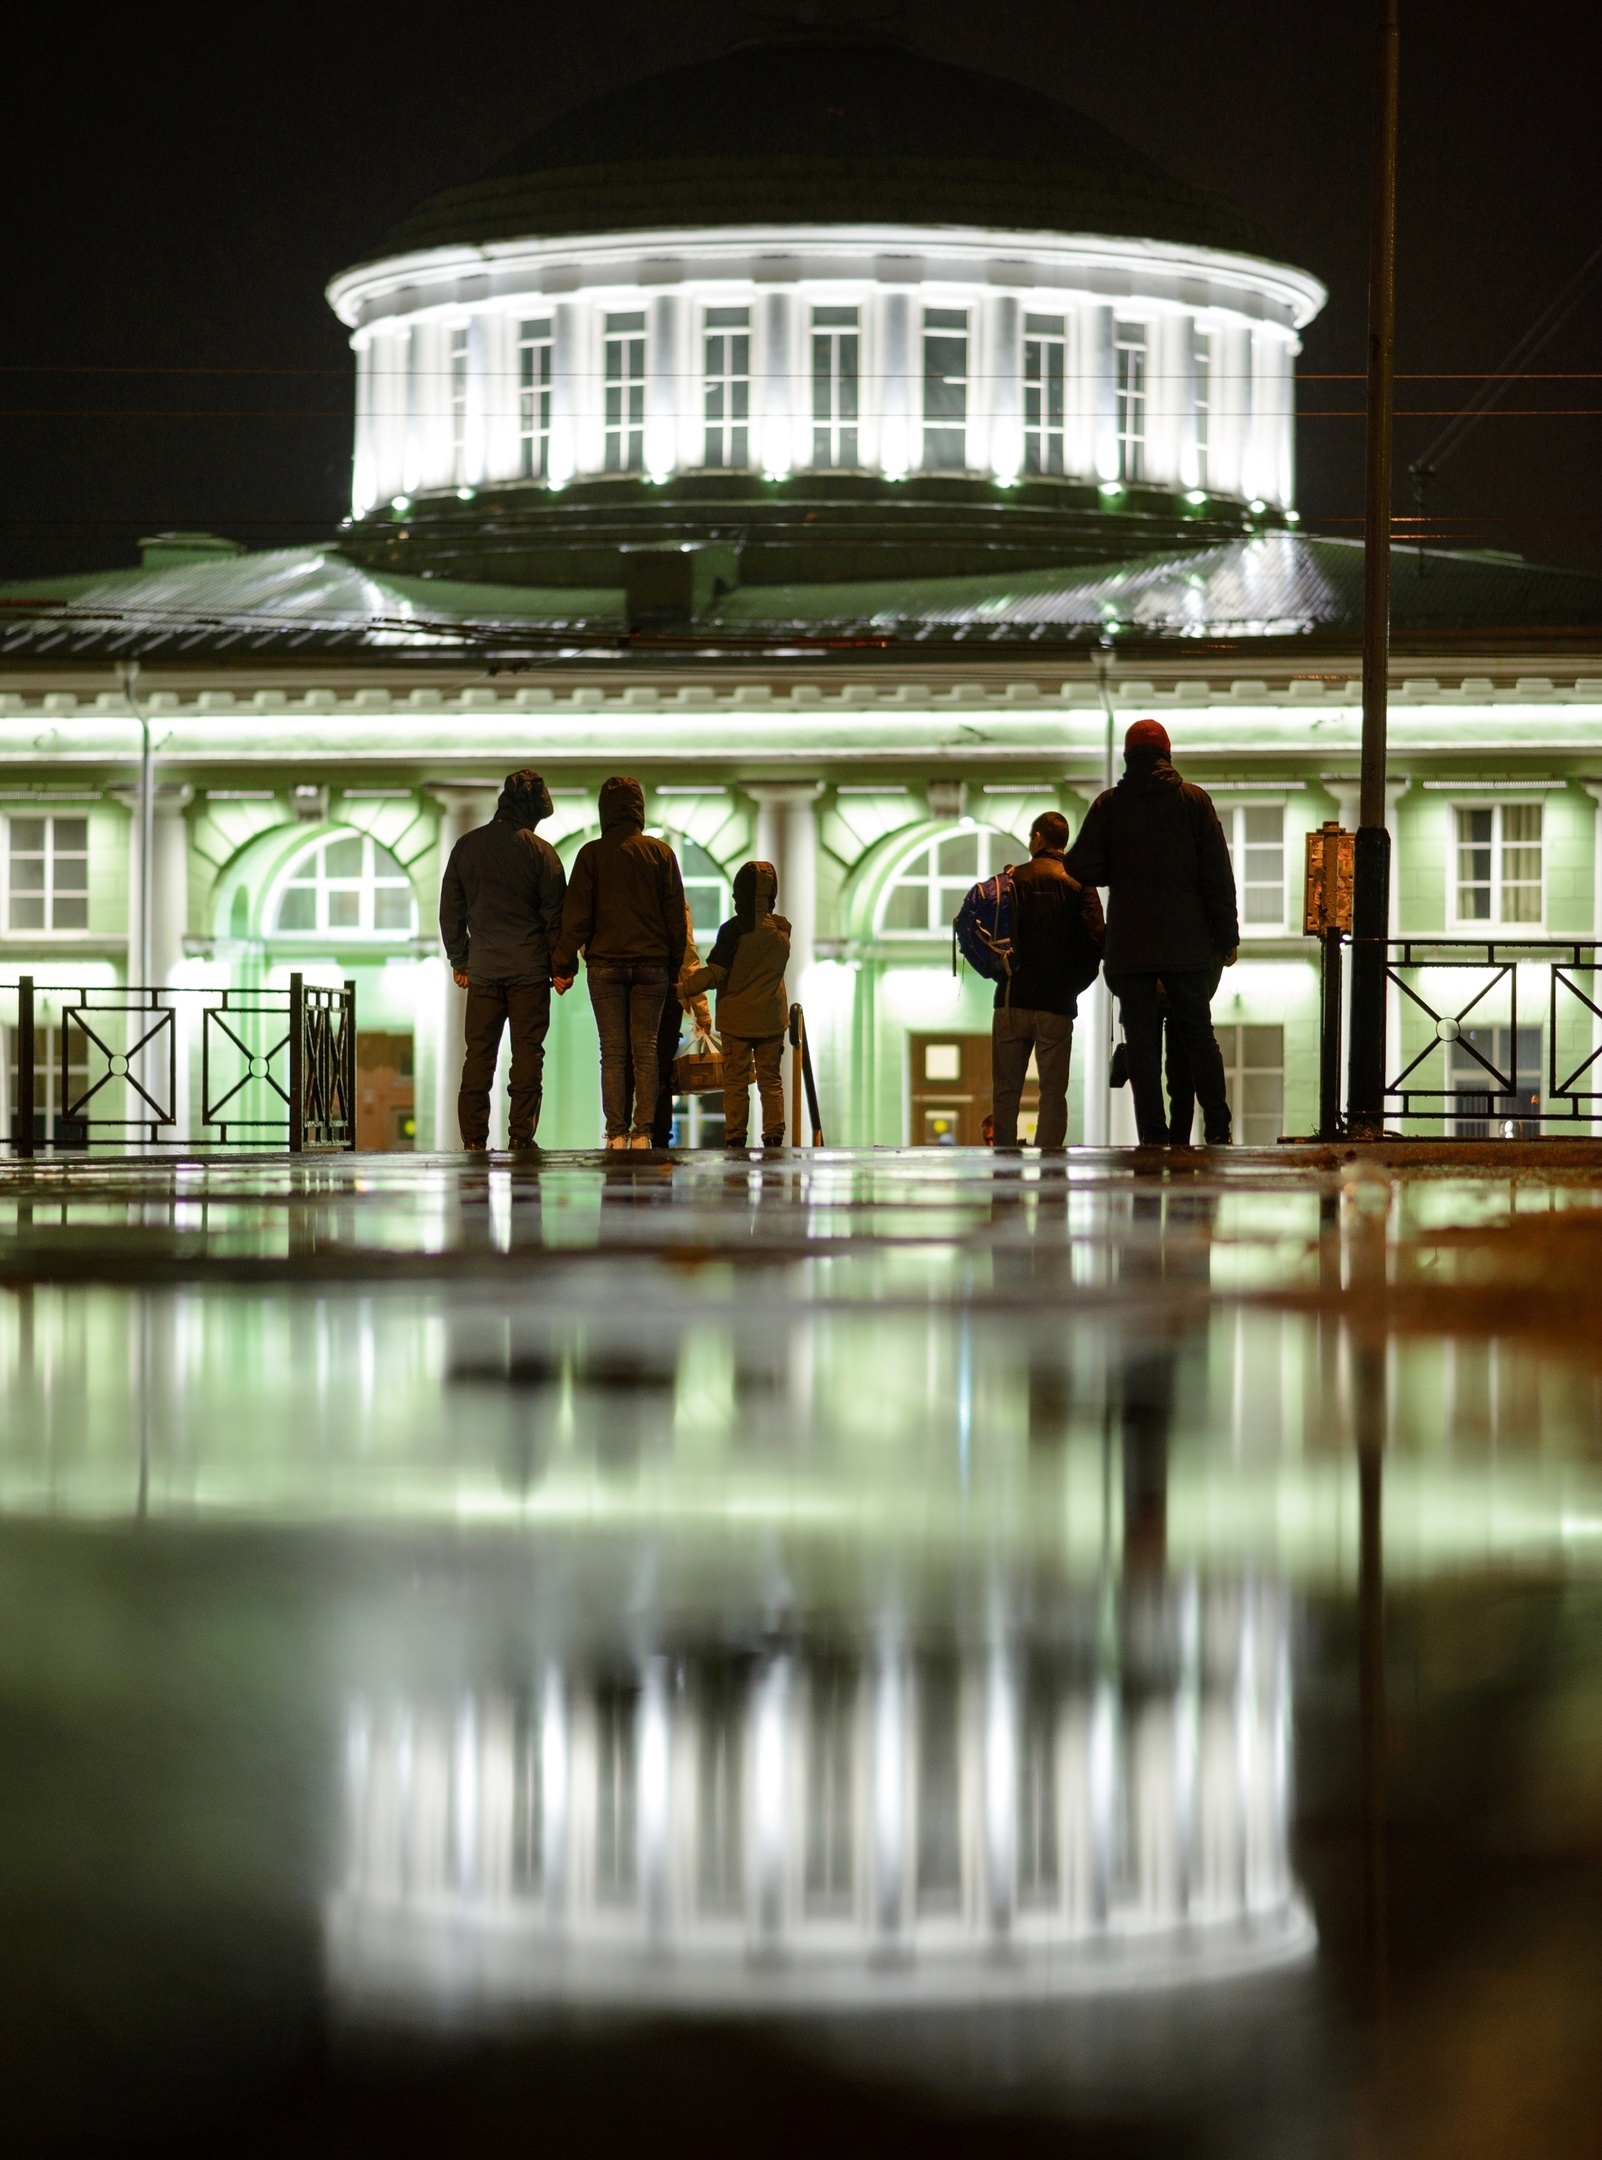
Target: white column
pixel 787 837
pixel 663 373
pixel 1168 403
pixel 1188 461
pixel 776 442
pixel 498 346
pixel 464 808
pixel 1232 410
pixel 1101 382
pixel 897 409
pixel 480 360
pixel 364 491
pixel 1000 387
pixel 387 415
pixel 1286 350
pixel 169 913
pixel 575 430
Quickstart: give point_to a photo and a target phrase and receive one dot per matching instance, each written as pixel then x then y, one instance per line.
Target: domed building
pixel 847 444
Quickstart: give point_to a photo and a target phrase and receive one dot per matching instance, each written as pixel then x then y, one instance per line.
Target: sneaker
pixel 773 1140
pixel 640 1139
pixel 475 1147
pixel 617 1139
pixel 739 1145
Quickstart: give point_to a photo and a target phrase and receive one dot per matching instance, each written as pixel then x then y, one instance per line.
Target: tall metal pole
pixel 1371 865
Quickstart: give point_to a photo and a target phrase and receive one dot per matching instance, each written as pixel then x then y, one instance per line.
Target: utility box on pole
pixel 1327 915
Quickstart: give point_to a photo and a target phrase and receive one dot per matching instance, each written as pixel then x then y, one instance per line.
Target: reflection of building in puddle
pixel 809 1828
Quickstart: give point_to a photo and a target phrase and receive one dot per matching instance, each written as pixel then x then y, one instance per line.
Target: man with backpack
pixel 1155 843
pixel 1056 935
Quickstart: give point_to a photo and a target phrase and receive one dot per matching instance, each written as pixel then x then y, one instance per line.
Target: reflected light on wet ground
pixel 888 1648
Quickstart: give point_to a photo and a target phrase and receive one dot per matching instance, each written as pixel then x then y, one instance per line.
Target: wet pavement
pixel 905 1650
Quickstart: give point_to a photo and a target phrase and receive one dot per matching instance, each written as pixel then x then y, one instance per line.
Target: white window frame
pixel 726 389
pixel 623 392
pixel 1237 1072
pixel 1201 363
pixel 459 366
pixel 940 325
pixel 51 889
pixel 535 346
pixel 1045 396
pixel 1131 384
pixel 366 883
pixel 1500 846
pixel 836 386
pixel 996 849
pixel 1233 817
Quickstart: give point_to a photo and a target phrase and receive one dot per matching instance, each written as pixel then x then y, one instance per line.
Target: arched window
pixel 930 886
pixel 346 886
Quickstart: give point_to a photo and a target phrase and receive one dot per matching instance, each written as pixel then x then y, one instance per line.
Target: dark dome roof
pixel 836 131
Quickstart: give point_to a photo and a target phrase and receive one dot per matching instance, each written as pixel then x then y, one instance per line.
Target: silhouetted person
pixel 1155 843
pixel 500 907
pixel 625 912
pixel 746 966
pixel 1056 944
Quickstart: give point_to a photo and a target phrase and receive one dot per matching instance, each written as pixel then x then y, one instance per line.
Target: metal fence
pixel 1497 1036
pixel 275 1068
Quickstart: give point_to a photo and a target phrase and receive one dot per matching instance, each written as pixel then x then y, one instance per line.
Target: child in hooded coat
pixel 746 966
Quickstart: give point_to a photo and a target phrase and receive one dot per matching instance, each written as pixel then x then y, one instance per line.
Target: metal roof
pixel 309 602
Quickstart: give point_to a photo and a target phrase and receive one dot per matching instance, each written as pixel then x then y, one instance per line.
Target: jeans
pixel 1190 1020
pixel 669 1029
pixel 627 997
pixel 740 1053
pixel 490 1006
pixel 1015 1031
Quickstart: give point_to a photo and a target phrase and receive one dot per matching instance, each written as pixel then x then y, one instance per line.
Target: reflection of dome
pixel 836 130
pixel 831 308
pixel 811 1829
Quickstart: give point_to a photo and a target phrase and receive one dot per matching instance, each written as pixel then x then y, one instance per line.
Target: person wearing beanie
pixel 500 907
pixel 746 965
pixel 1057 934
pixel 1155 845
pixel 625 913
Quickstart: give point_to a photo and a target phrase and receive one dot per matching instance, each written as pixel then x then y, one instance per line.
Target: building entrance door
pixel 951 1091
pixel 386 1099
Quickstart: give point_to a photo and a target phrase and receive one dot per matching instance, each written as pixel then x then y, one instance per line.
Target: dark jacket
pixel 1057 933
pixel 748 961
pixel 500 904
pixel 625 899
pixel 1155 842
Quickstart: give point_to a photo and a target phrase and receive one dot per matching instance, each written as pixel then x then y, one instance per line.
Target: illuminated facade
pixel 854 496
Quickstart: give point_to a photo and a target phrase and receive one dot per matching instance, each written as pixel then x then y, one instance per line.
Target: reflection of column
pixel 465 806
pixel 1001 1786
pixel 769 1772
pixel 553 1791
pixel 654 1816
pixel 889 1787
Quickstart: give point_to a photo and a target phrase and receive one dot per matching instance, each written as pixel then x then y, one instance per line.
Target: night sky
pixel 179 186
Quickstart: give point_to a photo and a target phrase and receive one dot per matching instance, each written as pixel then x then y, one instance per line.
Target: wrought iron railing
pixel 1504 1075
pixel 276 1068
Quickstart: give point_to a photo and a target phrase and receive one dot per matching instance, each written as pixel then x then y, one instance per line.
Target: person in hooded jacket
pixel 1057 934
pixel 625 913
pixel 747 965
pixel 1155 843
pixel 500 907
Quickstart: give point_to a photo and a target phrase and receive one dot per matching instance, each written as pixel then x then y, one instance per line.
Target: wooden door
pixel 386 1100
pixel 951 1092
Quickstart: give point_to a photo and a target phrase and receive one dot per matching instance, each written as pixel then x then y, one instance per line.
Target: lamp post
pixel 1371 870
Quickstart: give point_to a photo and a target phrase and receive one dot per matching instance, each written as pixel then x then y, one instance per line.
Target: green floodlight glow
pixel 1110 488
pixel 401 505
pixel 465 494
pixel 1196 495
pixel 1293 517
pixel 1257 506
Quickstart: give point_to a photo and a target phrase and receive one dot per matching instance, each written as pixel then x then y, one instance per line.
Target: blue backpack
pixel 982 928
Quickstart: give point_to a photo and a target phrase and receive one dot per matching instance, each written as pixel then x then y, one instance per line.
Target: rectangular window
pixel 47 873
pixel 1499 863
pixel 625 393
pixel 945 389
pixel 1256 836
pixel 1129 353
pixel 1045 392
pixel 834 387
pixel 1254 1075
pixel 48 1102
pixel 534 398
pixel 1201 376
pixel 728 388
pixel 459 402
